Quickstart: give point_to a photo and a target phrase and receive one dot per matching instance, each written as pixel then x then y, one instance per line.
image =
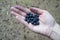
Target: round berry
pixel 32 18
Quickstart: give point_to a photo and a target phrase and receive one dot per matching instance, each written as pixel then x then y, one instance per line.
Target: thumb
pixel 36 10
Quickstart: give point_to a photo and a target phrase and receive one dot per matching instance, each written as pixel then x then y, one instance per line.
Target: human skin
pixel 46 20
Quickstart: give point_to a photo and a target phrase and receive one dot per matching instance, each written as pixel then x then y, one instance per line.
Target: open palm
pixel 46 20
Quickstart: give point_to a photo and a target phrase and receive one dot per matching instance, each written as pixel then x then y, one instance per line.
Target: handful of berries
pixel 32 18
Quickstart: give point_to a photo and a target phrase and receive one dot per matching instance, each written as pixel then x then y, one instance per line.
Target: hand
pixel 47 22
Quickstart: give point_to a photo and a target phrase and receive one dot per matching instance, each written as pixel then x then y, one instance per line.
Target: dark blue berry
pixel 36 15
pixel 32 18
pixel 27 20
pixel 35 23
pixel 29 14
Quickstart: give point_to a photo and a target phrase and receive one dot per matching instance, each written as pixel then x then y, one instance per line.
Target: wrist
pixel 55 34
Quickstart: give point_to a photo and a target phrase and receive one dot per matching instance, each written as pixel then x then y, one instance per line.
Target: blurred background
pixel 11 29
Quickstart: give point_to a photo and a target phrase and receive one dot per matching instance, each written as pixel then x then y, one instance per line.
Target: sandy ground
pixel 11 29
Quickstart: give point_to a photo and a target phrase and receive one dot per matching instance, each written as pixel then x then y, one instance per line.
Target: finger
pixel 14 13
pixel 20 18
pixel 26 10
pixel 18 11
pixel 36 10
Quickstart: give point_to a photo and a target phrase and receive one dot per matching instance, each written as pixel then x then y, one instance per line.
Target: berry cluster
pixel 32 18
